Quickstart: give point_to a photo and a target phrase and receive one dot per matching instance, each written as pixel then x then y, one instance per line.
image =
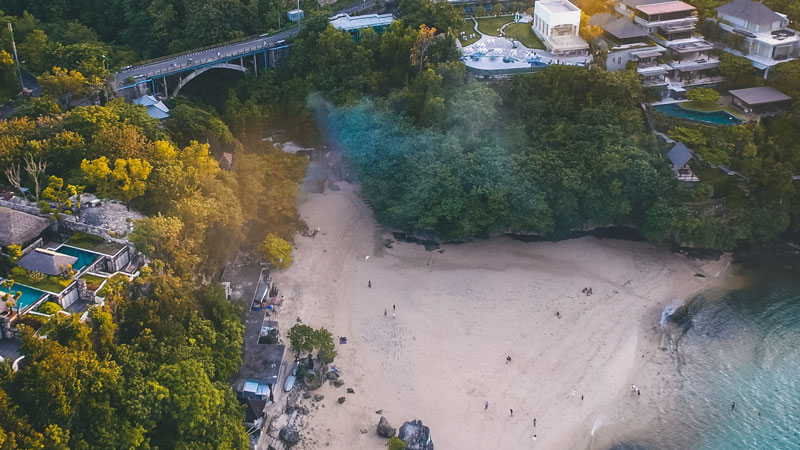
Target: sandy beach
pixel 460 311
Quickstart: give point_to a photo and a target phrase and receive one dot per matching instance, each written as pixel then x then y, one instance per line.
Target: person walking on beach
pixel 486 405
pixel 394 308
pixel 512 412
pixel 733 406
pixel 385 312
pixel 638 392
pixel 369 283
pixel 534 422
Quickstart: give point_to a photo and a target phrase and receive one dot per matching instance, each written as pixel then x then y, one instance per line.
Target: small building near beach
pixel 762 101
pixel 556 23
pixel 680 155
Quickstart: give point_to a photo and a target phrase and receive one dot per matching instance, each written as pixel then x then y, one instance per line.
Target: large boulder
pixel 289 435
pixel 384 429
pixel 416 435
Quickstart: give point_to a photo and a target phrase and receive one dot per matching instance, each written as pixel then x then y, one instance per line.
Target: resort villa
pixel 69 273
pixel 678 57
pixel 354 25
pixel 627 42
pixel 556 23
pixel 758 33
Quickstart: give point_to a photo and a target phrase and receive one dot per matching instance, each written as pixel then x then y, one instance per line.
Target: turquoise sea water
pixel 742 348
pixel 715 117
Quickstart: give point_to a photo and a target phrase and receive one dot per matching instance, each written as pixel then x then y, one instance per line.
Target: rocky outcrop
pixel 416 435
pixel 384 429
pixel 289 435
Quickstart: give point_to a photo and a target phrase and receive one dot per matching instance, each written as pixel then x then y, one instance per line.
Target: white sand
pixel 459 314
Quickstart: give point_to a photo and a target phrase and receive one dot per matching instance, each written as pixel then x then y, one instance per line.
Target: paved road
pixel 189 60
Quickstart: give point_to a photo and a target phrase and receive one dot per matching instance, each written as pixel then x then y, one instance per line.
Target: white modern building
pixel 354 24
pixel 556 23
pixel 764 34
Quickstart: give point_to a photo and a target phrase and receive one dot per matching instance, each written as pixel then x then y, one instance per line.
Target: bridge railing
pixel 363 5
pixel 196 51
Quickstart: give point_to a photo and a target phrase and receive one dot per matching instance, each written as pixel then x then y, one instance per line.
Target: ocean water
pixel 743 347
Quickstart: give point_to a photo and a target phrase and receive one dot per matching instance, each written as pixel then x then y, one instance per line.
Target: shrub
pixel 703 95
pixel 395 443
pixel 19 272
pixel 14 251
pixel 50 308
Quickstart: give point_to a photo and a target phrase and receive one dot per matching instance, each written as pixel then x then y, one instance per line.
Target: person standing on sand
pixel 733 406
pixel 638 392
pixel 486 405
pixel 394 308
pixel 385 312
pixel 534 422
pixel 369 283
pixel 512 412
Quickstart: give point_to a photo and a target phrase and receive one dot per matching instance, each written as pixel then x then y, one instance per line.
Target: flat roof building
pixel 355 24
pixel 556 23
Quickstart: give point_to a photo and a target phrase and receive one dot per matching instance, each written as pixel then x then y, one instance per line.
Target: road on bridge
pixel 188 60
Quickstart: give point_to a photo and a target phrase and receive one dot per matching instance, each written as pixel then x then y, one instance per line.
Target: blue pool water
pixel 84 257
pixel 714 118
pixel 29 295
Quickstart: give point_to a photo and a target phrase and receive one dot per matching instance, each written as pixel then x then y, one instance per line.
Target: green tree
pixel 162 238
pixel 277 251
pixel 64 85
pixel 61 196
pixel 126 181
pixel 302 339
pixel 705 96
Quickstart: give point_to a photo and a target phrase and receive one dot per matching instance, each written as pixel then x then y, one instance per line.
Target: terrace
pixel 94 243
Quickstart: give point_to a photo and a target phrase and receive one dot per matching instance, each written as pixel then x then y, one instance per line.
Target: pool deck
pixel 497 47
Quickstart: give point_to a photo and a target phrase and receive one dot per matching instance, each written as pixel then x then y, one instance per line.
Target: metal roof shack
pixel 155 108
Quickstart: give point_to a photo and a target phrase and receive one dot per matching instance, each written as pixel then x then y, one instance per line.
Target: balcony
pixel 695 64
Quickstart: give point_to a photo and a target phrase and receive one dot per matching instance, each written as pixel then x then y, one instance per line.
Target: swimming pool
pixel 84 257
pixel 28 298
pixel 714 117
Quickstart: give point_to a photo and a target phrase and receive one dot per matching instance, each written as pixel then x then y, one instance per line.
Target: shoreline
pixel 461 310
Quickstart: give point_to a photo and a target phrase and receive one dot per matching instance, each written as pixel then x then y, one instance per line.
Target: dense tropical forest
pixel 434 152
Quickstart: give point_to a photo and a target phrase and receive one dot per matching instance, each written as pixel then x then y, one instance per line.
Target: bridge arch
pixel 201 70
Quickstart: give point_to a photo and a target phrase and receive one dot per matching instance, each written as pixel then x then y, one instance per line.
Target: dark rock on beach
pixel 384 429
pixel 416 435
